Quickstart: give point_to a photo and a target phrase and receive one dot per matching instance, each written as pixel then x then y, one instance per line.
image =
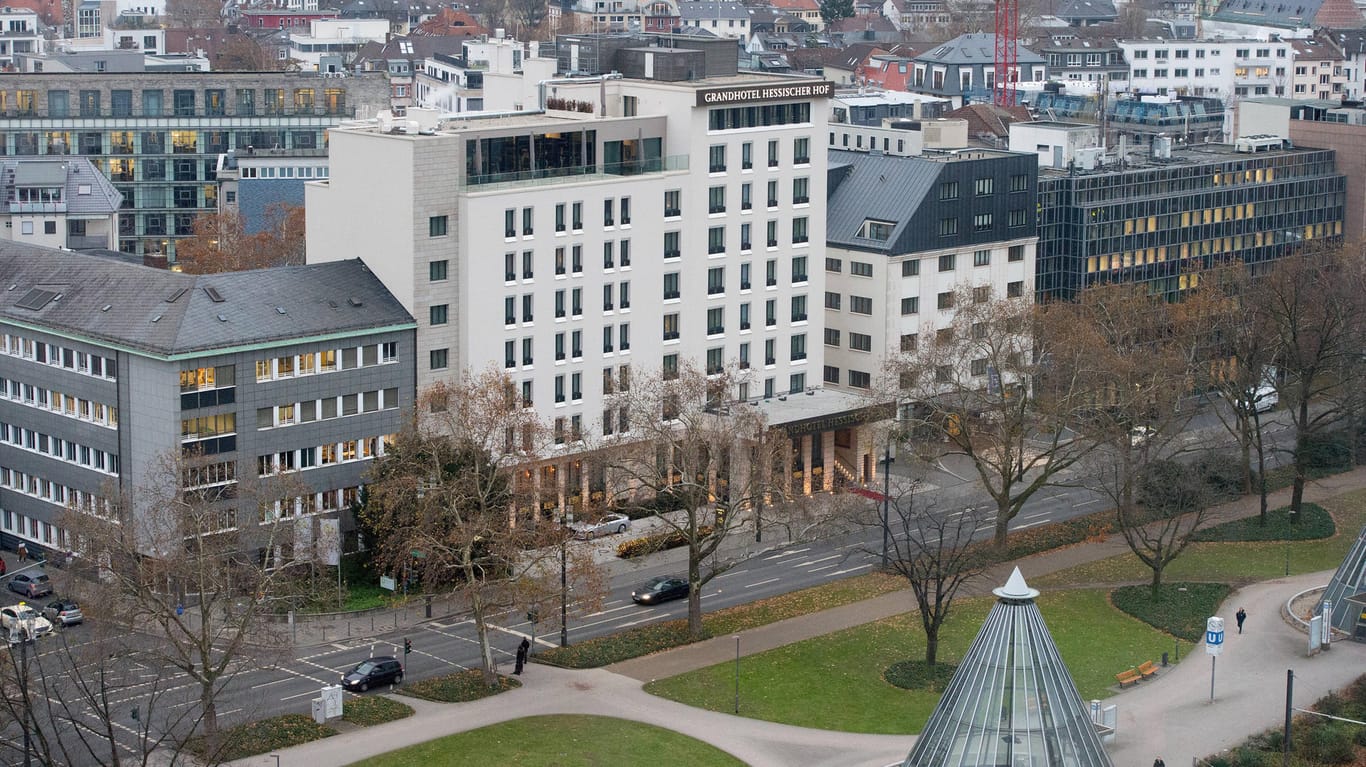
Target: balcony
pixel 800 200
pixel 673 253
pixel 86 242
pixel 673 212
pixel 574 173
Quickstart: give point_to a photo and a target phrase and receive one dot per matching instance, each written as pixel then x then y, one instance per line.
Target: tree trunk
pixel 209 703
pixel 1261 476
pixel 932 646
pixel 1247 462
pixel 695 631
pixel 481 628
pixel 1156 586
pixel 1297 488
pixel 1002 524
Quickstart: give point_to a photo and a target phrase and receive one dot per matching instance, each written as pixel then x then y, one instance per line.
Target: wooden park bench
pixel 1147 669
pixel 1130 676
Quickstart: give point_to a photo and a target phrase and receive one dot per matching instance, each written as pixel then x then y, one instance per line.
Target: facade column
pixel 828 454
pixel 806 463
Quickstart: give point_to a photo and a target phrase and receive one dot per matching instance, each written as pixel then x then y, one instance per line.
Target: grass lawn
pixel 561 741
pixel 835 682
pixel 370 710
pixel 1234 562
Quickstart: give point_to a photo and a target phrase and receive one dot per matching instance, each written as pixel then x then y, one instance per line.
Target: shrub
pixel 458 688
pixel 672 539
pixel 1329 743
pixel 1179 613
pixel 1325 452
pixel 371 710
pixel 1315 522
pixel 1222 474
pixel 915 675
pixel 261 736
pixel 623 645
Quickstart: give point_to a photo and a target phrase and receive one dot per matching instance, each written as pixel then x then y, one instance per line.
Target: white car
pixel 1139 436
pixel 14 617
pixel 608 525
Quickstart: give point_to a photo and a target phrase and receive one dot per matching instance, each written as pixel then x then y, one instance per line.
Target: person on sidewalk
pixel 1159 763
pixel 1241 616
pixel 22 551
pixel 523 650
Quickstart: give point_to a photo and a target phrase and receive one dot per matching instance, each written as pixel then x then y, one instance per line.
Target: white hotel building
pixel 646 219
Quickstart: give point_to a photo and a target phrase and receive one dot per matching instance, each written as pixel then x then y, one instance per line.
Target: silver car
pixel 608 525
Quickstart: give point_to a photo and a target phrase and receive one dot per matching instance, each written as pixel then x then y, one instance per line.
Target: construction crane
pixel 1007 51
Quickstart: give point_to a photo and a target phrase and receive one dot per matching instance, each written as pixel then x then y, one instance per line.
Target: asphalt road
pixel 264 688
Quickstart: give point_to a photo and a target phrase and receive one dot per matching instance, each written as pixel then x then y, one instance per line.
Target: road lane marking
pixel 852 569
pixel 729 573
pixel 761 583
pixel 1031 524
pixel 818 561
pixel 823 567
pixel 1086 503
pixel 787 553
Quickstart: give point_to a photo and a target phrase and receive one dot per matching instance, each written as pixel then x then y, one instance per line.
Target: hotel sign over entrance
pixel 745 94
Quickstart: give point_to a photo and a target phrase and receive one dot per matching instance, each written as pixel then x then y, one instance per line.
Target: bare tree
pixel 1313 302
pixel 931 547
pixel 197 569
pixel 681 452
pixel 221 242
pixel 453 503
pixel 1175 504
pixel 976 386
pixel 194 14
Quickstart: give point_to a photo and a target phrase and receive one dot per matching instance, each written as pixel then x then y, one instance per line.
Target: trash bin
pixel 1164 659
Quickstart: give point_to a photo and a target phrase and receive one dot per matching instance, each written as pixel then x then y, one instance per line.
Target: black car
pixel 375 672
pixel 660 589
pixel 31 586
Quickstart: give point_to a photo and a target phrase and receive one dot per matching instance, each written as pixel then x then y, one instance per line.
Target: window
pixel 510 222
pixel 744 276
pixel 798 347
pixel 716 240
pixel 832 300
pixel 607 294
pixel 771 232
pixel 947 262
pixel 746 203
pixel 773 153
pixel 948 227
pixel 528 351
pixel 799 230
pixel 832 337
pixel 527 217
pixel 608 212
pixel 607 340
pixel 716 199
pixel 528 264
pixel 438 314
pixel 983 186
pixel 801 151
pixel 831 374
pixel 981 258
pixel 773 194
pixel 671 327
pixel 577 209
pixel 799 273
pixel 715 360
pixel 979 367
pixel 436 271
pixel 671 285
pixel 946 300
pixel 771 313
pixel 716 321
pixel 981 221
pixel 717 160
pixel 834 265
pixel 860 380
pixel 560 224
pixel 1017 218
pixel 1014 289
pixel 1019 182
pixel 910 342
pixel 1016 253
pixel 744 316
pixel 673 203
pixel 668 367
pixel 801 193
pixel 746 155
pixel 799 308
pixel 910 268
pixel 509 267
pixel 608 259
pixel 981 294
pixel 860 268
pixel 948 190
pixel 438 359
pixel 672 248
pixel 860 342
pixel 910 305
pixel 527 308
pixel 770 273
pixel 716 280
pixel 860 305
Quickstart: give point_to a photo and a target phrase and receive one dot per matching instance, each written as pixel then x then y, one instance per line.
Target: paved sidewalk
pixel 1169 715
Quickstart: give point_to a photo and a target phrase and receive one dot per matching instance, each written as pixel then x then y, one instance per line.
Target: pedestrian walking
pixel 1241 616
pixel 1159 763
pixel 22 551
pixel 523 650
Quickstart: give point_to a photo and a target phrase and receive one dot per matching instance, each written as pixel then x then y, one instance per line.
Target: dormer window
pixel 873 229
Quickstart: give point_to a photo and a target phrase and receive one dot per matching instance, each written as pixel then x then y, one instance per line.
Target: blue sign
pixel 1214 636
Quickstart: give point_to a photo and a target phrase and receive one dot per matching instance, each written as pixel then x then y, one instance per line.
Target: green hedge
pixel 915 675
pixel 672 539
pixel 460 687
pixel 623 645
pixel 1178 612
pixel 370 710
pixel 1314 523
pixel 262 736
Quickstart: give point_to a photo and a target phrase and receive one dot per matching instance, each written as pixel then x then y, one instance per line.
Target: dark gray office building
pixel 1157 219
pixel 107 368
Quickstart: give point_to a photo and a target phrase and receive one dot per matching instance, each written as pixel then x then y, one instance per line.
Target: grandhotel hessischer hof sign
pixel 748 94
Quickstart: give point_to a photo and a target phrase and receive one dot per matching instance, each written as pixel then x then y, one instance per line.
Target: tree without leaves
pixel 1175 505
pixel 1314 304
pixel 195 568
pixel 448 489
pixel 241 53
pixel 688 444
pixel 834 10
pixel 221 243
pixel 194 14
pixel 972 386
pixel 932 549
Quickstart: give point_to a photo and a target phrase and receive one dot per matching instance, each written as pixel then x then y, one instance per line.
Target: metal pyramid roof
pixel 1012 702
pixel 1348 583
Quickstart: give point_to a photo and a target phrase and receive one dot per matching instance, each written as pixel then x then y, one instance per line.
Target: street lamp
pixel 886 502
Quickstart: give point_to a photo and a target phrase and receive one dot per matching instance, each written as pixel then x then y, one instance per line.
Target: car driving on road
pixel 660 589
pixel 374 672
pixel 608 525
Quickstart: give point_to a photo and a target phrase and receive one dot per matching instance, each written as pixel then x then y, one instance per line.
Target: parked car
pixel 375 672
pixel 608 525
pixel 20 615
pixel 660 589
pixel 64 612
pixel 4 568
pixel 31 585
pixel 1139 436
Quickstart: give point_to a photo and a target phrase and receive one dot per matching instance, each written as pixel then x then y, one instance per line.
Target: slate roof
pixel 73 173
pixel 712 9
pixel 140 315
pixel 1087 10
pixel 878 186
pixel 1291 13
pixel 974 48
